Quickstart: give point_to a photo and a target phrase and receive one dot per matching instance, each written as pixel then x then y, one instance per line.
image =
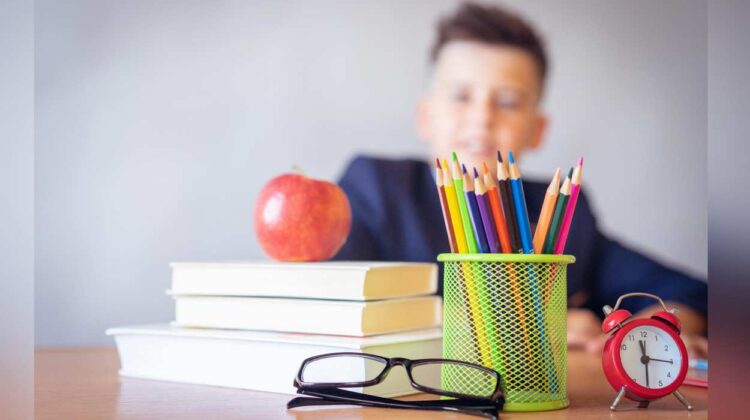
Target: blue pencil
pixel 522 215
pixel 516 185
pixel 476 216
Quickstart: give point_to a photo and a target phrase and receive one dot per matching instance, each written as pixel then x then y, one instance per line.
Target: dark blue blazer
pixel 397 217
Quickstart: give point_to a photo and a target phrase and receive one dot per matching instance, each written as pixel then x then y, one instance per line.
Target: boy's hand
pixel 585 332
pixel 697 346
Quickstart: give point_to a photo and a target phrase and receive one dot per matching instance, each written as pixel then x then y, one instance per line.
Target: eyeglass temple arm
pixel 490 413
pixel 308 401
pixel 312 401
pixel 357 396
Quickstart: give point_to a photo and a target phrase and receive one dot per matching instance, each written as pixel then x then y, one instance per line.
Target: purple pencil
pixel 486 212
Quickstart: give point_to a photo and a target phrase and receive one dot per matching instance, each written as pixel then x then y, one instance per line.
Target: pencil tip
pixel 455 158
pixel 510 158
pixel 445 164
pixel 570 173
pixel 464 168
pixel 437 162
pixel 485 168
pixel 499 156
pixel 476 174
pixel 580 161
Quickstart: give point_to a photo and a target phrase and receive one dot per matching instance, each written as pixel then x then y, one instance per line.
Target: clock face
pixel 650 357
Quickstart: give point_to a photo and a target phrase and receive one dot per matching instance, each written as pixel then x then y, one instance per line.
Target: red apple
pixel 302 219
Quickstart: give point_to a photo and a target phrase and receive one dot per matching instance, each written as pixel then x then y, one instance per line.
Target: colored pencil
pixel 444 207
pixel 575 188
pixel 484 210
pixel 476 217
pixel 545 216
pixel 557 216
pixel 476 324
pixel 489 314
pixel 519 200
pixel 524 229
pixel 507 201
pixel 493 193
pixel 450 195
pixel 458 183
pixel 474 292
pixel 450 192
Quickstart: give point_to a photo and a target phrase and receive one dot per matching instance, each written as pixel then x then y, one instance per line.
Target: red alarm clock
pixel 644 359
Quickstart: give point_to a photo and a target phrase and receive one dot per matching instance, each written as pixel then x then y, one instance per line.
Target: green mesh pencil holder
pixel 509 312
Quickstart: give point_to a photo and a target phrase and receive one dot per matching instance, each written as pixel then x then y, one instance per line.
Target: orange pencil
pixel 497 211
pixel 542 226
pixel 444 206
pixel 505 245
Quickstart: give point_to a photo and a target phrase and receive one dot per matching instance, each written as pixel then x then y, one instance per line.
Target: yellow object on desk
pixel 531 360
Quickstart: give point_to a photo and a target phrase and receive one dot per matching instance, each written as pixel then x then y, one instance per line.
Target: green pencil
pixel 473 276
pixel 557 216
pixel 458 182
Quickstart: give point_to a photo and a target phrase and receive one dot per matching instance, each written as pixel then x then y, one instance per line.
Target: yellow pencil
pixel 450 194
pixel 470 277
pixel 458 183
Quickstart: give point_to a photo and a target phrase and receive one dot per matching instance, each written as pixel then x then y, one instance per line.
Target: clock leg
pixel 617 399
pixel 683 400
pixel 644 404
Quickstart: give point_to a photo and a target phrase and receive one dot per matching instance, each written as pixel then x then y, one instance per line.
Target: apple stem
pixel 298 170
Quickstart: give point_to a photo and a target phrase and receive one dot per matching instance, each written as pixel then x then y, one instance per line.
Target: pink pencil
pixel 575 188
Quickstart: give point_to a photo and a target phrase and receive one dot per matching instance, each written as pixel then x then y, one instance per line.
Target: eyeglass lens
pixel 455 378
pixel 443 376
pixel 342 368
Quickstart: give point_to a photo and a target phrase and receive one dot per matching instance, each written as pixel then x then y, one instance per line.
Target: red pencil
pixel 493 193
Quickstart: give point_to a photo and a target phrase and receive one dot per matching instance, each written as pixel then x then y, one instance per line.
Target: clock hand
pixel 660 360
pixel 644 359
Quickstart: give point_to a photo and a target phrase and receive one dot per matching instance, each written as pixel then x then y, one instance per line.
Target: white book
pixel 261 361
pixel 312 316
pixel 321 280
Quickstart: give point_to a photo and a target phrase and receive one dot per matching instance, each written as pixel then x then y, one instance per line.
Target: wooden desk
pixel 84 384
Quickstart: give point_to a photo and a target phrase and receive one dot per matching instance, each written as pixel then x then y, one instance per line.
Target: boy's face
pixel 483 98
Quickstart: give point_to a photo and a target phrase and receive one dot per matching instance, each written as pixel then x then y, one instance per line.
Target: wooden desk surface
pixel 84 384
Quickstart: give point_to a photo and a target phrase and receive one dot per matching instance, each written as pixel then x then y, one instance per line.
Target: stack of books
pixel 250 325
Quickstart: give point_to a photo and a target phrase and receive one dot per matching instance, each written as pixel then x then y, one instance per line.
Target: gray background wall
pixel 16 209
pixel 157 123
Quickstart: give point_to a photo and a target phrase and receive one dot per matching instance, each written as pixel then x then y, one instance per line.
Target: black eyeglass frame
pixel 408 365
pixel 337 396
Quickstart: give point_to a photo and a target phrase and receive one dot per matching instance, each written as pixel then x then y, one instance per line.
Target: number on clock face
pixel 650 357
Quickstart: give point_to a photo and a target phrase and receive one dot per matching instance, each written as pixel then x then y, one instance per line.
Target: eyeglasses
pixel 473 389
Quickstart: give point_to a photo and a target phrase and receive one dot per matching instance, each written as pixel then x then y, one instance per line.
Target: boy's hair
pixel 490 25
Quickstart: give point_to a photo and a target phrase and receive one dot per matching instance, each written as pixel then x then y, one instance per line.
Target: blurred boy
pixel 485 94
